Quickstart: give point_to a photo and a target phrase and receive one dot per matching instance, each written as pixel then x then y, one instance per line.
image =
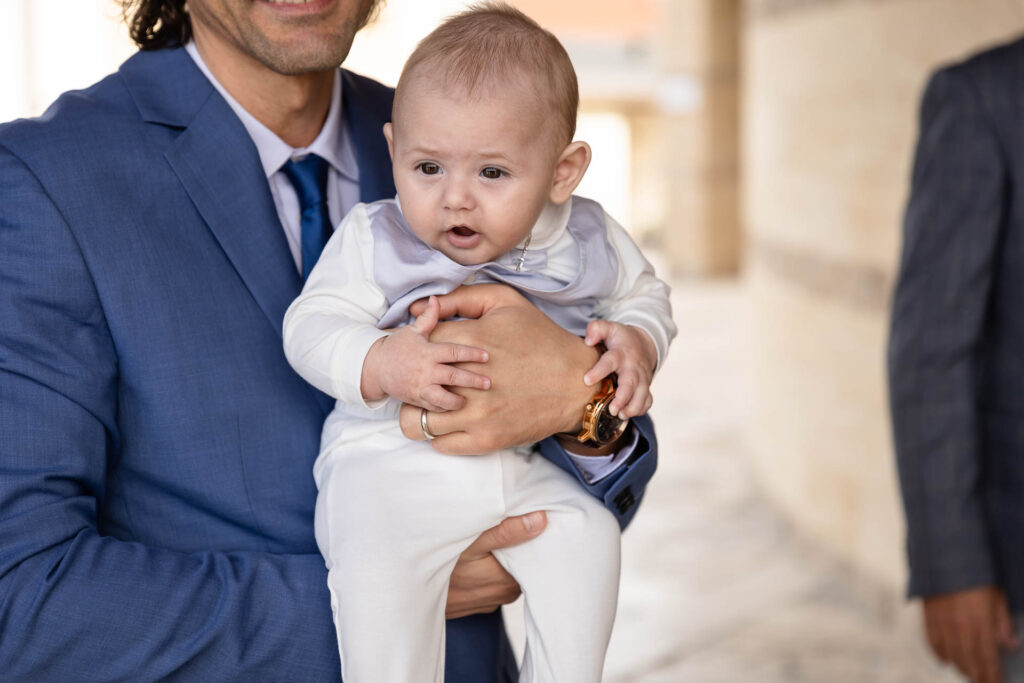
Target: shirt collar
pixel 549 226
pixel 332 144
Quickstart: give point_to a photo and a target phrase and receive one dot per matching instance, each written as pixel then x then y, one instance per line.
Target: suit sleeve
pixel 75 603
pixel 622 490
pixel 951 237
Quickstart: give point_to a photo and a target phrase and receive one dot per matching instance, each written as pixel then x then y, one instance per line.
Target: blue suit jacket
pixel 156 497
pixel 956 352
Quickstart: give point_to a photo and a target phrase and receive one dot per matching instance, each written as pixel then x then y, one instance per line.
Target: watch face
pixel 609 427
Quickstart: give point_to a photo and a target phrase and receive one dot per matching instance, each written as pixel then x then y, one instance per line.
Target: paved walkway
pixel 716 587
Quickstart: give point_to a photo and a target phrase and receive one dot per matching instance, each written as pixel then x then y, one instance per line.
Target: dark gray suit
pixel 956 352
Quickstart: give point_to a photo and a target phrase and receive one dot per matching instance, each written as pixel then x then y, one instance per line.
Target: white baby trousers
pixel 392 518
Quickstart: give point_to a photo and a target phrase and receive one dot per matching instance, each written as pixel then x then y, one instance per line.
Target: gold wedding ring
pixel 423 425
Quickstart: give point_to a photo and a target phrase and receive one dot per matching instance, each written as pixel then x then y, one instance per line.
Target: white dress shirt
pixel 333 144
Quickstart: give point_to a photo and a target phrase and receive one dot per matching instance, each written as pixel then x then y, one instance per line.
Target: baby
pixel 485 166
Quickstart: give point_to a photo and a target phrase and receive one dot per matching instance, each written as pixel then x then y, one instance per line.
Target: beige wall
pixel 829 121
pixel 697 46
pixel 53 46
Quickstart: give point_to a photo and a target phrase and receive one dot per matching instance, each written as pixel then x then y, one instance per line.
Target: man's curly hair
pixel 156 24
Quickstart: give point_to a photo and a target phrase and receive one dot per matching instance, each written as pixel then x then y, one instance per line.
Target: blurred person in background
pixel 956 365
pixel 156 503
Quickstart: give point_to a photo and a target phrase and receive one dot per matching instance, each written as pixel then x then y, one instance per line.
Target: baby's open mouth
pixel 461 237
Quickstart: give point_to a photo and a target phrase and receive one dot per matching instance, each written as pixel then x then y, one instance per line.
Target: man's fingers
pixel 453 439
pixel 456 443
pixel 1005 632
pixel 472 302
pixel 935 628
pixel 442 425
pixel 958 647
pixel 510 532
pixel 479 584
pixel 473 588
pixel 973 645
pixel 409 421
pixel 935 639
pixel 417 307
pixel 987 663
pixel 425 421
pixel 978 646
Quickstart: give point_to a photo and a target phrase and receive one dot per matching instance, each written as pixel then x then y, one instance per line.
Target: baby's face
pixel 472 174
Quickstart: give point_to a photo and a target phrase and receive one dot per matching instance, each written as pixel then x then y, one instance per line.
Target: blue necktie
pixel 309 178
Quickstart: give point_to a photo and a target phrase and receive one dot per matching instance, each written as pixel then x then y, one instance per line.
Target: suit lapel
pixel 218 165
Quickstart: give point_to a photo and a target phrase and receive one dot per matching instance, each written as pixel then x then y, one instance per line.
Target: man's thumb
pixel 512 531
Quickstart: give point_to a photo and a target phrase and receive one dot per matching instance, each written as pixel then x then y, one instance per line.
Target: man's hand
pixel 479 583
pixel 536 370
pixel 969 628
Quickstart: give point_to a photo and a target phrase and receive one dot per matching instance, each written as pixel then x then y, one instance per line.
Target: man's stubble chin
pixel 309 54
pixel 300 54
pixel 310 58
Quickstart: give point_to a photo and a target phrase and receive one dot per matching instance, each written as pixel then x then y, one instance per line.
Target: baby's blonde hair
pixel 490 43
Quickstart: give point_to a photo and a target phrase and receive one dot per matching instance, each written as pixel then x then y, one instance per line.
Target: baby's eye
pixel 428 168
pixel 492 173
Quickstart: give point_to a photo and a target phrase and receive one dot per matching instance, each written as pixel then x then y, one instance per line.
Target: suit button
pixel 624 501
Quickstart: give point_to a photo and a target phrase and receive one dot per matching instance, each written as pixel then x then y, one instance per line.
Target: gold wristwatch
pixel 600 427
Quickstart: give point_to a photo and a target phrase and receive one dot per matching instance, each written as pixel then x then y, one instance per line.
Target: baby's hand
pixel 415 371
pixel 632 355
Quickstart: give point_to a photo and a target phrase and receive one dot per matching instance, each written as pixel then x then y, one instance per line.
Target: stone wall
pixel 829 106
pixel 697 46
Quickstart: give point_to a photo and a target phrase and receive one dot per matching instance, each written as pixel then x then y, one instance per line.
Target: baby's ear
pixel 388 133
pixel 569 169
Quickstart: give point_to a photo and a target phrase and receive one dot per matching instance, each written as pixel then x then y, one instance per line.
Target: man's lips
pixel 299 6
pixel 462 237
